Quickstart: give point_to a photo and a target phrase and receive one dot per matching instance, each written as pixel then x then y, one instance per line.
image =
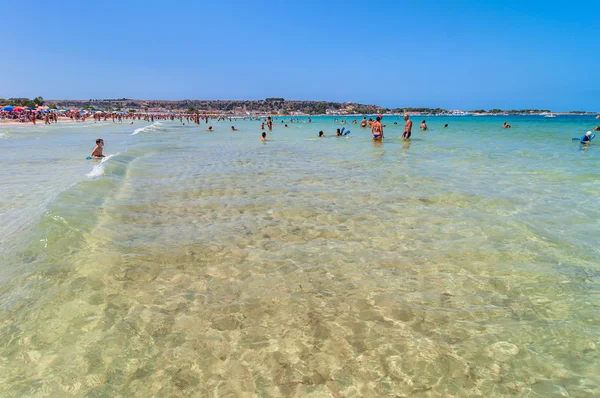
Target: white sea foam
pixel 98 170
pixel 146 128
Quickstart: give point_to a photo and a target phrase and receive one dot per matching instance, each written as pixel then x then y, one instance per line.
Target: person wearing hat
pixel 587 138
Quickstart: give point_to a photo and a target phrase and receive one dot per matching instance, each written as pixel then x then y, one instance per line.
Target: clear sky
pixel 456 54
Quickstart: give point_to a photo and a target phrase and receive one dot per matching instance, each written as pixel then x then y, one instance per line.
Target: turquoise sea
pixel 464 263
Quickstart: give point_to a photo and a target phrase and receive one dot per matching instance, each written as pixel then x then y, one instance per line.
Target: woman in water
pixel 423 125
pixel 377 129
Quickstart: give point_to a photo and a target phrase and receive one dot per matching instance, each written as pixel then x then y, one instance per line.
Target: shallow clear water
pixel 462 263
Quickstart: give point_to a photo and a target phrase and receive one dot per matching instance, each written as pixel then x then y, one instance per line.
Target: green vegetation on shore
pixel 273 105
pixel 25 102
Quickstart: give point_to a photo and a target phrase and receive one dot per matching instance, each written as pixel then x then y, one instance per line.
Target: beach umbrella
pixel 18 109
pixel 30 108
pixel 98 111
pixel 8 108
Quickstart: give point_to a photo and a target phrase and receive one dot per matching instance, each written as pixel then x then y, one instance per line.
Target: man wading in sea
pixel 407 128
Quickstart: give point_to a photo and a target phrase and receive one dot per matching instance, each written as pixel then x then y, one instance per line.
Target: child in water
pixel 97 152
pixel 263 137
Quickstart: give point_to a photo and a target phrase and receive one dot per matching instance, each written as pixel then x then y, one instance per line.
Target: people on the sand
pixel 321 134
pixel 423 125
pixel 377 129
pixel 506 125
pixel 263 137
pixel 407 128
pixel 97 152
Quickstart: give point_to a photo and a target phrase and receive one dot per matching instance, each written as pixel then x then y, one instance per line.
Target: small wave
pixel 98 169
pixel 145 128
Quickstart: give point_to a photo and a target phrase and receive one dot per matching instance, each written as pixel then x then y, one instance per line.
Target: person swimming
pixel 587 138
pixel 506 125
pixel 446 125
pixel 233 128
pixel 209 128
pixel 263 137
pixel 321 134
pixel 339 132
pixel 423 125
pixel 97 152
pixel 597 128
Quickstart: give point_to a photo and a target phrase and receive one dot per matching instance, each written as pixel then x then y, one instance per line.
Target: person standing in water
pixel 423 125
pixel 364 122
pixel 407 128
pixel 587 138
pixel 377 129
pixel 269 123
pixel 97 152
pixel 263 137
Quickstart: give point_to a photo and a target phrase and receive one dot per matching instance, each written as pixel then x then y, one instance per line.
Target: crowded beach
pixel 46 115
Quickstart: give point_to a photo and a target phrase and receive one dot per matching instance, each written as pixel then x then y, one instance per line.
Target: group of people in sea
pixel 377 128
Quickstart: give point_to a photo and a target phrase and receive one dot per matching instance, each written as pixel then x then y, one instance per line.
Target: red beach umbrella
pixel 18 109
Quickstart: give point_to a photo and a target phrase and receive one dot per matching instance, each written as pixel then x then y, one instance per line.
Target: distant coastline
pixel 281 106
pixel 268 106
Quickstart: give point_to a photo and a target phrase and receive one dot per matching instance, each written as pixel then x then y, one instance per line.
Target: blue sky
pixel 452 54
